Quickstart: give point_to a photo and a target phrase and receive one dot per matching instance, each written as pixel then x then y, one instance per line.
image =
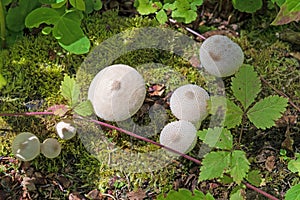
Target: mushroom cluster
pixel 220 56
pixel 117 92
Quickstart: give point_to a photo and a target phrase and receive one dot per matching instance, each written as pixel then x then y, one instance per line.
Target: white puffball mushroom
pixel 179 135
pixel 189 102
pixel 50 148
pixel 117 92
pixel 26 146
pixel 65 129
pixel 220 56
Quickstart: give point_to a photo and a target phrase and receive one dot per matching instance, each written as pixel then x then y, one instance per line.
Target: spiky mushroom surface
pixel 26 146
pixel 179 135
pixel 50 148
pixel 220 56
pixel 117 92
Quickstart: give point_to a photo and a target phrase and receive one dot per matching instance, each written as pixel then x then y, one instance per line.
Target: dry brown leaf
pixel 270 163
pixel 136 195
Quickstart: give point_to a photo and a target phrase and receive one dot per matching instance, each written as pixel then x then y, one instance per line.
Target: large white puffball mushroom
pixel 220 56
pixel 117 92
pixel 50 148
pixel 189 102
pixel 65 129
pixel 179 135
pixel 26 146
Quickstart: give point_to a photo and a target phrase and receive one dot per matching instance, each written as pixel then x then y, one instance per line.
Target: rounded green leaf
pixel 161 16
pixel 249 6
pixel 293 193
pixel 80 46
pixel 78 4
pixel 41 15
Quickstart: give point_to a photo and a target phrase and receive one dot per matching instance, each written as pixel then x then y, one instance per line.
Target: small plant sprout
pixel 189 102
pixel 50 148
pixel 179 135
pixel 65 129
pixel 220 56
pixel 26 146
pixel 117 92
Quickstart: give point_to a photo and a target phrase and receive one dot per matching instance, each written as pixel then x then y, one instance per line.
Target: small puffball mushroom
pixel 117 92
pixel 50 148
pixel 189 102
pixel 220 56
pixel 179 135
pixel 65 129
pixel 26 146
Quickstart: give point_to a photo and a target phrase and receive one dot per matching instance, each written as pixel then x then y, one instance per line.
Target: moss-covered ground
pixel 35 66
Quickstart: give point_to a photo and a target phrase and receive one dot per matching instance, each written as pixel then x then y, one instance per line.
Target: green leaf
pixel 47 30
pixel 217 137
pixel 59 5
pixel 161 16
pixel 185 16
pixel 145 7
pixel 246 85
pixel 289 11
pixel 196 3
pixel 2 81
pixel 214 164
pixel 239 166
pixel 15 18
pixel 70 90
pixel 51 1
pixel 91 5
pixel 78 4
pixel 84 108
pixel 80 46
pixel 237 195
pixel 249 6
pixel 264 113
pixel 233 116
pixel 41 15
pixel 6 2
pixel 294 166
pixel 184 194
pixel 293 193
pixel 254 177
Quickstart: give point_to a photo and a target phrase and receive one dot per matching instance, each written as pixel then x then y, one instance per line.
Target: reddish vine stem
pixel 280 93
pixel 248 185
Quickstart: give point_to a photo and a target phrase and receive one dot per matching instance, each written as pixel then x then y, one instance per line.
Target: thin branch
pixel 269 196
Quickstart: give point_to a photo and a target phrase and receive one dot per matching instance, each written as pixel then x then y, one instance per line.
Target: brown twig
pixel 280 93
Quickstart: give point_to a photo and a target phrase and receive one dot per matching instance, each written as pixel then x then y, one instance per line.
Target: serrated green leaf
pixel 70 90
pixel 214 164
pixel 15 18
pixel 145 7
pixel 216 137
pixel 78 4
pixel 2 81
pixel 80 46
pixel 237 195
pixel 249 6
pixel 85 108
pixel 233 116
pixel 183 194
pixel 289 11
pixel 246 85
pixel 161 16
pixel 293 193
pixel 254 178
pixel 239 166
pixel 294 166
pixel 264 113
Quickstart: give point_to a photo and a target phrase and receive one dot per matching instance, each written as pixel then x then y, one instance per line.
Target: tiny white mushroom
pixel 179 135
pixel 189 102
pixel 66 129
pixel 220 56
pixel 117 92
pixel 26 146
pixel 50 148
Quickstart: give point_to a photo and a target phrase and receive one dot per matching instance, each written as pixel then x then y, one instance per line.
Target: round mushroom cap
pixel 26 146
pixel 189 102
pixel 65 129
pixel 117 92
pixel 179 135
pixel 50 148
pixel 220 56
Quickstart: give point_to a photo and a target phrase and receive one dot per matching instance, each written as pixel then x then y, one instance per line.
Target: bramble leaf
pixel 184 194
pixel 254 177
pixel 239 166
pixel 237 195
pixel 294 165
pixel 289 11
pixel 264 113
pixel 249 6
pixel 214 164
pixel 246 85
pixel 233 116
pixel 293 193
pixel 70 90
pixel 85 108
pixel 217 137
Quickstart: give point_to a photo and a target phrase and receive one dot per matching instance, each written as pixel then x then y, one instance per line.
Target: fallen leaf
pixel 156 90
pixel 136 195
pixel 270 163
